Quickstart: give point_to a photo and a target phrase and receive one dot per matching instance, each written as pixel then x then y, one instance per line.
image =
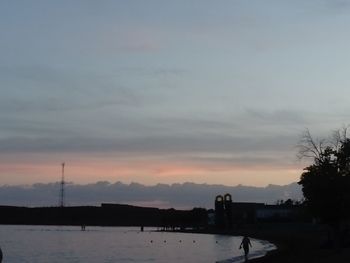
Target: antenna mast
pixel 62 187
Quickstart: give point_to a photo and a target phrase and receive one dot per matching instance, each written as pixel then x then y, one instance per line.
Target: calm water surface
pixel 55 244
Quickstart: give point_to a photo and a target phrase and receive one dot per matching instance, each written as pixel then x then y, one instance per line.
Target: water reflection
pixel 43 244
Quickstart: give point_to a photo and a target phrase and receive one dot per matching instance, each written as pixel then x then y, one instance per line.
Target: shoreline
pixel 261 258
pixel 295 242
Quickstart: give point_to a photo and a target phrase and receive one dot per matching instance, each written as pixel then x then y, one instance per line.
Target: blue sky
pixel 168 91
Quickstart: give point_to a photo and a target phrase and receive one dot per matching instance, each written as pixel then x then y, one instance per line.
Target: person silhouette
pixel 245 244
pixel 0 255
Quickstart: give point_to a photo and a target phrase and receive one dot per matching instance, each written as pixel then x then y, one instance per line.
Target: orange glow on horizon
pixel 149 172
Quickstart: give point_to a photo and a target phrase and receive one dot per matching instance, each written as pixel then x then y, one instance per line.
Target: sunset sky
pixel 213 92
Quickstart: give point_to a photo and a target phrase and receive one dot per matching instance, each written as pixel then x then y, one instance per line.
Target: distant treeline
pixel 104 215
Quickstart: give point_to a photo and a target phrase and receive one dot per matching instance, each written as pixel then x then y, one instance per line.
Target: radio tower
pixel 62 187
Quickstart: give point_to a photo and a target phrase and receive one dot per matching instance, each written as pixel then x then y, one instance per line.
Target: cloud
pixel 159 144
pixel 140 45
pixel 277 117
pixel 337 6
pixel 161 195
pixel 139 39
pixel 154 71
pixel 205 143
pixel 39 89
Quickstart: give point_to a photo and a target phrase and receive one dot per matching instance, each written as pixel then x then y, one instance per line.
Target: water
pixel 59 244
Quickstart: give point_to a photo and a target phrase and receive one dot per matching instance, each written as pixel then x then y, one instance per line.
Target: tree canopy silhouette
pixel 326 182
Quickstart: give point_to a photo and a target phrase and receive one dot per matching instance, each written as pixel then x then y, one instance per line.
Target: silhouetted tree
pixel 326 182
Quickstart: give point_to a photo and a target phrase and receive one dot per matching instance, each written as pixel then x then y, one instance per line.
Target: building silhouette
pixel 229 213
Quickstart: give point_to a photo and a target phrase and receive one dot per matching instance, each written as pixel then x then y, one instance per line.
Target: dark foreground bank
pixel 299 243
pixel 296 243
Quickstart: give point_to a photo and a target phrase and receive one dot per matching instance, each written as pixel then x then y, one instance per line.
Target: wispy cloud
pixel 277 117
pixel 159 144
pixel 49 89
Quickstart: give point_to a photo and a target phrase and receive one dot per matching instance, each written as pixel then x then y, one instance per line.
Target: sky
pixel 213 92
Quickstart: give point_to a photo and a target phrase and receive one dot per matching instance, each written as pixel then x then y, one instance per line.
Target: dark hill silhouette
pixel 104 215
pixel 180 196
